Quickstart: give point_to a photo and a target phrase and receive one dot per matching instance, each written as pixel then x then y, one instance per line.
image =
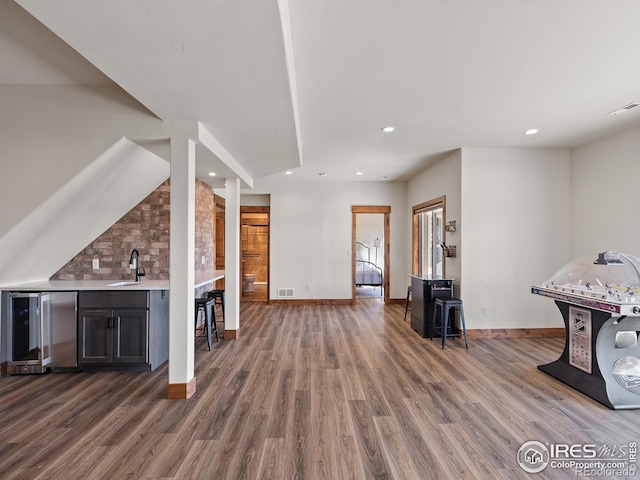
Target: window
pixel 428 236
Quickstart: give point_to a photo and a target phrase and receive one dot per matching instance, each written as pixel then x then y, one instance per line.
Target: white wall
pixel 370 226
pixel 515 227
pixel 605 195
pixel 252 200
pixel 443 178
pixel 50 133
pixel 311 234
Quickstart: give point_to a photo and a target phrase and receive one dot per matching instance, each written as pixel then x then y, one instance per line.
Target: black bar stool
pixel 218 299
pixel 406 305
pixel 446 306
pixel 208 306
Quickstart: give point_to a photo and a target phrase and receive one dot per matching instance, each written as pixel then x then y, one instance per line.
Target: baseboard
pixel 327 301
pixel 230 334
pixel 516 333
pixel 181 391
pixel 312 301
pixel 397 301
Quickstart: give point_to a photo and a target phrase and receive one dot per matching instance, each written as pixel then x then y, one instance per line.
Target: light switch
pixel 95 263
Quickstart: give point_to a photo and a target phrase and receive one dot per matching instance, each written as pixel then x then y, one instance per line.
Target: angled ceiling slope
pixel 447 74
pixel 26 252
pixel 220 63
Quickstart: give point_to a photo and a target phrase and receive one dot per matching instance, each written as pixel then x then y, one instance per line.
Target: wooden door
pixel 219 238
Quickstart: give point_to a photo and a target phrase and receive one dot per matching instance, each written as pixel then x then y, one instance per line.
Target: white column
pixel 181 271
pixel 232 280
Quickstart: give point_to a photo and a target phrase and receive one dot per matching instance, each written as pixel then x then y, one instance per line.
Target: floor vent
pixel 285 292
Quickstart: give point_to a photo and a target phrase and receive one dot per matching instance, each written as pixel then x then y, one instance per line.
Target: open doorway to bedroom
pixel 370 252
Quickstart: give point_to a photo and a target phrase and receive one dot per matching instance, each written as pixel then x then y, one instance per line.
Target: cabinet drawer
pixel 110 299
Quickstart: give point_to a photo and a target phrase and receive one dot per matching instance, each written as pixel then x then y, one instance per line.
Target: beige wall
pixel 50 133
pixel 311 234
pixel 515 227
pixel 605 195
pixel 512 209
pixel 442 179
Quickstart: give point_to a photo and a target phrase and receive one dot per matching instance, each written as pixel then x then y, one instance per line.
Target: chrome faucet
pixel 137 264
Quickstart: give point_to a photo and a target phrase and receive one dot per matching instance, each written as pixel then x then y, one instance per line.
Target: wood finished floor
pixel 369 292
pixel 313 392
pixel 260 294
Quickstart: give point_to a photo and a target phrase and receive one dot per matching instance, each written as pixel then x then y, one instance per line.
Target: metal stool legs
pixel 212 316
pixel 218 299
pixel 406 305
pixel 207 305
pixel 443 308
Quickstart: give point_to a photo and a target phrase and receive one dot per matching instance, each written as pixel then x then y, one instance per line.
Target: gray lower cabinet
pixel 114 336
pixel 123 329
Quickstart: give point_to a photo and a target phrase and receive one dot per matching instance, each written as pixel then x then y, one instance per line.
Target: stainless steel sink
pixel 123 284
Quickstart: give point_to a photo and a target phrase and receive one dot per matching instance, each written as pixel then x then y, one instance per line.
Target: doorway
pixel 370 252
pixel 369 256
pixel 219 226
pixel 254 244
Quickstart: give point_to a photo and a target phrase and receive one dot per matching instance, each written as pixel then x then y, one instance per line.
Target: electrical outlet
pixel 95 264
pixel 485 311
pixel 308 287
pixel 203 259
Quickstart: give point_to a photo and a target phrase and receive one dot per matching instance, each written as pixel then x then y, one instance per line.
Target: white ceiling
pixel 311 82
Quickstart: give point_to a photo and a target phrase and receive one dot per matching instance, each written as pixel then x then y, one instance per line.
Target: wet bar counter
pixel 200 279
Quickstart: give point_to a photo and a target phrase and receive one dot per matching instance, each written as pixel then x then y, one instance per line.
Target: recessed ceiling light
pixel 288 172
pixel 531 131
pixel 359 173
pixel 323 174
pixel 388 129
pixel 212 174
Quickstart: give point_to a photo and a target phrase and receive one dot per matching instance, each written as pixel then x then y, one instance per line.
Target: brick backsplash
pixel 204 234
pixel 146 228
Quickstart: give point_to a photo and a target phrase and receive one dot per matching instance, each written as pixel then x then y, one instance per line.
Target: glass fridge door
pixel 29 337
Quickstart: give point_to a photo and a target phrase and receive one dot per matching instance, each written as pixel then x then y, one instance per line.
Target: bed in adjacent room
pixel 368 274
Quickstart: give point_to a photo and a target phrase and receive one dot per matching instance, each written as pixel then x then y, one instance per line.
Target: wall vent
pixel 285 292
pixel 626 108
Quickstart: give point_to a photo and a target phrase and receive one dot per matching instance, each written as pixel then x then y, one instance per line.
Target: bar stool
pixel 446 306
pixel 207 305
pixel 218 299
pixel 406 305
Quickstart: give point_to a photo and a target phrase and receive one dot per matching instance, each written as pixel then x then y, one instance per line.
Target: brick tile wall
pixel 146 228
pixel 204 244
